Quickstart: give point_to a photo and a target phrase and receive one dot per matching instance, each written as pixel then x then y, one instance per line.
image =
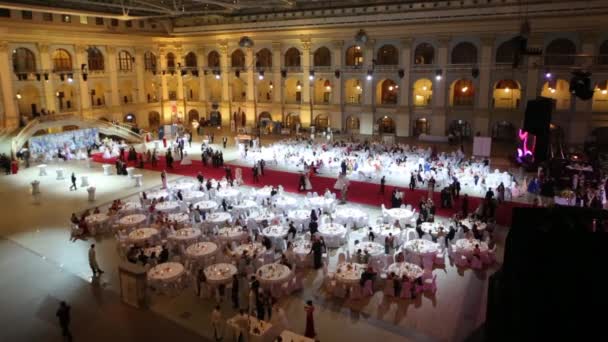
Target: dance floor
pixel 359 192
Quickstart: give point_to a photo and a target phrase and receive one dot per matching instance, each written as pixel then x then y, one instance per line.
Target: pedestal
pixel 89 163
pixel 138 179
pixel 60 174
pixel 132 284
pixel 42 170
pixel 84 181
pixel 91 192
pixel 35 187
pixel 107 169
pixel 130 171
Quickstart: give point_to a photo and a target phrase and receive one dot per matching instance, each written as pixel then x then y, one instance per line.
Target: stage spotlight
pixel 337 73
pixel 311 75
pixel 580 85
pixel 217 74
pixel 370 74
pixel 70 78
pixel 438 74
pixel 261 74
pixel 18 96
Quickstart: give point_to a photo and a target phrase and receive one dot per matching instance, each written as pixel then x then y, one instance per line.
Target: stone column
pixel 10 118
pixel 403 112
pixel 251 86
pixel 305 110
pixel 180 80
pixel 277 80
pixel 201 62
pixel 113 71
pixel 140 74
pixel 368 86
pixel 337 84
pixel 82 58
pixel 533 85
pixel 49 87
pixel 225 71
pixel 162 60
pixel 482 115
pixel 440 89
pixel 580 124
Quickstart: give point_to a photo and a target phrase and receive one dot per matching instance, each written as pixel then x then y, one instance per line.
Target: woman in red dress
pixel 310 323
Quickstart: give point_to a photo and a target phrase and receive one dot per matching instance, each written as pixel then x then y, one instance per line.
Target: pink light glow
pixel 524 151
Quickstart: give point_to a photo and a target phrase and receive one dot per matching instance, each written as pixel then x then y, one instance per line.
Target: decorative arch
pixel 354 56
pixel 150 61
pixel 29 101
pixel 293 90
pixel 462 93
pixel 506 94
pixel 62 60
pixel 170 60
pixel 239 90
pixel 292 57
pixel 24 60
pixel 353 91
pixel 558 90
pixel 353 124
pixel 460 128
pixel 65 96
pixel 321 122
pixel 292 120
pixel 464 53
pixel 322 88
pixel 264 89
pixel 387 92
pixel 386 125
pixel 125 61
pixel 264 116
pixel 263 58
pixel 421 126
pixel 560 51
pixel 237 59
pixel 213 59
pixel 600 97
pixel 95 60
pixel 424 54
pixel 154 120
pixel 423 92
pixel 387 55
pixel 190 60
pixel 193 115
pixel 322 57
pixel 505 53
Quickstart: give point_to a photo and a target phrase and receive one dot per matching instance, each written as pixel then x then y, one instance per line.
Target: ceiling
pixel 138 9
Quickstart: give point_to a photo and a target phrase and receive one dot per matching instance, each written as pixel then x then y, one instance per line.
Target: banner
pixel 72 140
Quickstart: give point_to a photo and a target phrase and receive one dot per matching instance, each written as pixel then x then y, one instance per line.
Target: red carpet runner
pixel 359 192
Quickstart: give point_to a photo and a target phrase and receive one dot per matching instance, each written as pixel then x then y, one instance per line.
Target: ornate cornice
pixel 276 46
pixel 43 48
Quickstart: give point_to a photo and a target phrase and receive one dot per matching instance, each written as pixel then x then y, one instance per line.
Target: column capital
pixel 223 47
pixel 3 46
pixel 306 43
pixel 370 43
pixel 201 51
pixel 444 41
pixel 488 39
pixel 79 48
pixel 43 47
pixel 276 46
pixel 140 49
pixel 111 49
pixel 589 37
pixel 339 44
pixel 406 42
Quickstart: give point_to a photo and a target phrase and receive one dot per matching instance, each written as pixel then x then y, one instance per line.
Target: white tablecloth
pixel 421 247
pixel 263 193
pixel 259 331
pixel 469 224
pixel 168 206
pixel 327 204
pixel 133 220
pixel 158 195
pixel 333 233
pixel 185 235
pixel 432 227
pixel 142 235
pixel 228 234
pixel 230 195
pixel 201 250
pixel 290 336
pixel 130 207
pixel 299 216
pixel 183 186
pixel 400 214
pixel 220 273
pixel 273 274
pixel 180 218
pixel 252 249
pixel 349 273
pixel 166 272
pixel 382 231
pixel 219 217
pixel 244 206
pixel 206 205
pixel 276 232
pixel 467 246
pixel 412 271
pixel 285 202
pixel 193 196
pixel 351 215
pixel 97 219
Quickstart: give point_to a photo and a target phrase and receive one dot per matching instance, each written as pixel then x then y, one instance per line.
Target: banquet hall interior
pixel 298 170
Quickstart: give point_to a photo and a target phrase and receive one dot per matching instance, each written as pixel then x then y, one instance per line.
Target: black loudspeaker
pixel 283 73
pixel 337 73
pixel 475 72
pixel 538 116
pixel 401 73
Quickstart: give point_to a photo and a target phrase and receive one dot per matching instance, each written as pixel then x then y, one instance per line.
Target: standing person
pixel 235 292
pixel 93 262
pixel 344 191
pixel 73 186
pixel 310 322
pixel 63 313
pixel 302 184
pixel 163 179
pixel 262 164
pixel 382 183
pixel 501 192
pixel 224 141
pixel 465 205
pixel 431 185
pixel 317 253
pixel 256 178
pixel 216 323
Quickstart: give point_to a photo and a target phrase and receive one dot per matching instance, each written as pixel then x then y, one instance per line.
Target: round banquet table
pixel 130 208
pixel 432 227
pixel 275 232
pixel 244 205
pixel 229 194
pixel 469 224
pixel 285 203
pixel 255 248
pixel 193 196
pixel 373 248
pixel 183 186
pixel 273 274
pixel 179 218
pixel 132 220
pixel 466 246
pixel 301 249
pixel 97 222
pixel 142 235
pixel 299 216
pixel 206 205
pixel 320 202
pixel 229 234
pixel 201 250
pixel 411 271
pixel 219 217
pixel 402 215
pixel 349 273
pixel 220 273
pixel 421 247
pixel 261 217
pixel 166 272
pixel 158 195
pixel 351 215
pixel 168 206
pixel 263 193
pixel 333 233
pixel 185 235
pixel 382 231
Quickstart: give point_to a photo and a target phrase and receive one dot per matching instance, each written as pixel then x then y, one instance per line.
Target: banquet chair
pixel 460 260
pixel 406 290
pixel 476 263
pixel 389 289
pixel 402 206
pixel 440 259
pixel 408 207
pixel 341 258
pixel 308 195
pixel 441 242
pixel 368 290
pixel 427 237
pixel 427 262
pixel 410 234
pixel 356 292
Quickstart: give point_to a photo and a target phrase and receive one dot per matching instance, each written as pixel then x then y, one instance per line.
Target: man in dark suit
pixel 63 313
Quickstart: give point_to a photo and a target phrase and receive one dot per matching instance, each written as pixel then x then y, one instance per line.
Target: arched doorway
pixel 264 119
pixel 292 120
pixel 460 128
pixel 386 125
pixel 387 91
pixel 462 93
pixel 352 124
pixel 193 116
pixel 154 120
pixel 321 122
pixel 130 118
pixel 421 126
pixel 506 94
pixel 215 118
pixel 503 131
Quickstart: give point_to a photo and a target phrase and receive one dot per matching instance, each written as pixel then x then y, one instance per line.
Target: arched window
pixel 125 61
pixel 386 125
pixel 560 51
pixel 322 122
pixel 213 59
pixel 507 94
pixel 62 61
pixel 464 53
pixel 150 61
pixel 388 55
pixel 463 93
pixel 505 52
pixel 292 57
pixel 387 91
pixel 603 53
pixel 354 56
pixel 423 92
pixel 322 57
pixel 95 59
pixel 263 58
pixel 24 61
pixel 237 59
pixel 170 60
pixel 191 60
pixel 424 54
pixel 352 123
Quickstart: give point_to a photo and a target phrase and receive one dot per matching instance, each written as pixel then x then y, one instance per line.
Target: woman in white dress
pixel 307 184
pixel 163 178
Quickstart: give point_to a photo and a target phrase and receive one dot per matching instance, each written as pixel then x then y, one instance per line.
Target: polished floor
pixel 39 267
